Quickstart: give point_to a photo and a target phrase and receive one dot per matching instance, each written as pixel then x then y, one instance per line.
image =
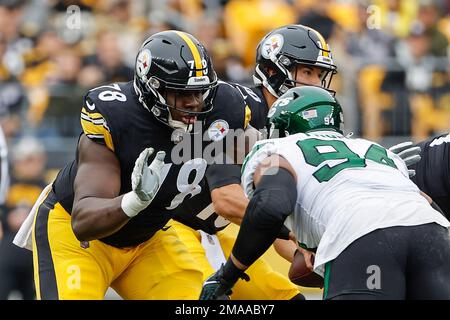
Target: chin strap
pixel 178 125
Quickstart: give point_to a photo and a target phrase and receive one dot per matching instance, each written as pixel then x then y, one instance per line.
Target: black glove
pixel 218 285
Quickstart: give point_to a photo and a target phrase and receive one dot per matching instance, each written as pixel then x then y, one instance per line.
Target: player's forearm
pixel 285 248
pixel 96 218
pixel 230 202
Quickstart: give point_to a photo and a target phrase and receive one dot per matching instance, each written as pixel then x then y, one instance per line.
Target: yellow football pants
pixel 264 284
pixel 160 268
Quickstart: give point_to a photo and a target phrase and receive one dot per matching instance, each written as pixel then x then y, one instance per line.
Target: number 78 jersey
pixel 346 188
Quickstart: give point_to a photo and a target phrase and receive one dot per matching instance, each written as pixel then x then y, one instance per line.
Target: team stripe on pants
pixel 46 286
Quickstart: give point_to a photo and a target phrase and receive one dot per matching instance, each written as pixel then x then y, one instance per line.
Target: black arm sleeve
pixel 274 199
pixel 219 175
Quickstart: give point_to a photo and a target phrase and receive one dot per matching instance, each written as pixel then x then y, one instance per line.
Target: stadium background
pixel 392 58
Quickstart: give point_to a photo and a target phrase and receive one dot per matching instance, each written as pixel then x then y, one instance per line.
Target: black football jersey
pixel 257 104
pixel 229 102
pixel 113 116
pixel 433 170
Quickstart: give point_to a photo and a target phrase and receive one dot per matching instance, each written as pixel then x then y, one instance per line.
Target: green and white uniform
pixel 346 189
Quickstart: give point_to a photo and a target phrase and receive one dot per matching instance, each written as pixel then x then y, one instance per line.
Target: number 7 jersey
pixel 346 189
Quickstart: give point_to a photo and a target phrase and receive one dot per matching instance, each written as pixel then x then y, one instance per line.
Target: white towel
pixel 213 250
pixel 23 236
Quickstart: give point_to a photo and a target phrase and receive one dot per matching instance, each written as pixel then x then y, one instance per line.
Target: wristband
pixel 131 204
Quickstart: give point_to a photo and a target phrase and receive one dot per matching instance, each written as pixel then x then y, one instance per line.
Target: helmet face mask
pixel 304 109
pixel 285 48
pixel 170 65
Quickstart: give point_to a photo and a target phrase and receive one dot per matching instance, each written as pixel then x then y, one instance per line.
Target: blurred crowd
pixel 392 58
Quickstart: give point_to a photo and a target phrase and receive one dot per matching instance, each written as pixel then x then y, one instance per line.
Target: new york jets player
pixel 376 236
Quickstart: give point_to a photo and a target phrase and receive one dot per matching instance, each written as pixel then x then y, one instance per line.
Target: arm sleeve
pixel 274 199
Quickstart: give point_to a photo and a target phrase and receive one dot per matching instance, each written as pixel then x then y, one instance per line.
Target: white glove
pixel 145 182
pixel 410 155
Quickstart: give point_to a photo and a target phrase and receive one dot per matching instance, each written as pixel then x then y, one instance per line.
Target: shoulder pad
pixel 230 105
pixel 99 108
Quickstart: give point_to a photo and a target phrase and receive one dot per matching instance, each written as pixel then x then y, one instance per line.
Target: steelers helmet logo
pixel 218 130
pixel 273 43
pixel 143 62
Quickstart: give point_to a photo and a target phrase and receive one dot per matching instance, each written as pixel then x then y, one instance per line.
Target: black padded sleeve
pixel 274 199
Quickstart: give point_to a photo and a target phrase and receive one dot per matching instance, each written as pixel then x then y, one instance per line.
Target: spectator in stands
pixel 27 182
pixel 11 12
pixel 317 17
pixel 414 56
pixel 109 58
pixel 369 45
pixel 428 15
pixel 13 101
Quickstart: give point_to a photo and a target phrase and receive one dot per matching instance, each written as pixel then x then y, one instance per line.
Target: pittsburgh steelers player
pixel 101 223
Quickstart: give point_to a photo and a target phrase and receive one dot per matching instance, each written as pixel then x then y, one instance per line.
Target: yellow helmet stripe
pixel 324 45
pixel 194 51
pixel 325 49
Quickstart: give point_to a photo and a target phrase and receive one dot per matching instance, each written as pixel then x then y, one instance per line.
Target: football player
pixel 101 222
pixel 351 199
pixel 287 57
pixel 432 172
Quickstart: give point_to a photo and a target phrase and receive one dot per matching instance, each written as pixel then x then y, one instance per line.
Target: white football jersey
pixel 346 189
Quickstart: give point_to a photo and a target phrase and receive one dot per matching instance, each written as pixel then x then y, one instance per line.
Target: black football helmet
pixel 285 47
pixel 173 60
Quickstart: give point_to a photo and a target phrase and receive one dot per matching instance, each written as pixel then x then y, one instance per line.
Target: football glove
pixel 409 154
pixel 145 182
pixel 217 288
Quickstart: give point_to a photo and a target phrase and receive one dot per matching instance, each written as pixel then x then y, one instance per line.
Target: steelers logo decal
pixel 272 44
pixel 143 62
pixel 218 130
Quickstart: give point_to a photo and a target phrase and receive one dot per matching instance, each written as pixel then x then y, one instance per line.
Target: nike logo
pixel 90 106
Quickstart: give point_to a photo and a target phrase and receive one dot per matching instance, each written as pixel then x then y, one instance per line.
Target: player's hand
pixel 410 154
pixel 145 182
pixel 216 287
pixel 309 257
